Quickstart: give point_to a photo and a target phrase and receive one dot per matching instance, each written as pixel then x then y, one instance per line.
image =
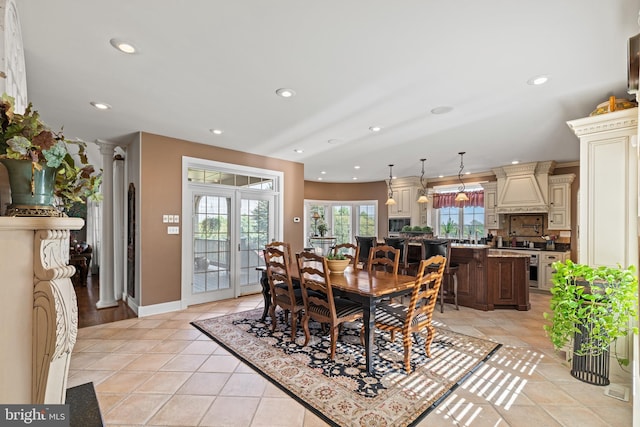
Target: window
pixel 342 220
pixel 460 220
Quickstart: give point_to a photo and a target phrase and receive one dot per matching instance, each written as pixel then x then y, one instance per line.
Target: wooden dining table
pixel 367 289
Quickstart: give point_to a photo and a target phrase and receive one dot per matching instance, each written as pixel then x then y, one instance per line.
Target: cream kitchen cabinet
pixel 545 267
pixel 491 217
pixel 559 217
pixel 405 201
pixel 608 201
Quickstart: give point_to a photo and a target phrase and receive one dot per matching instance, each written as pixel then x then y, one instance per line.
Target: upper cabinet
pixel 491 217
pixel 560 202
pixel 404 202
pixel 608 201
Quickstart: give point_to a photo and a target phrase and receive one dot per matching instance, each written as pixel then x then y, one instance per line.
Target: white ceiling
pixel 206 64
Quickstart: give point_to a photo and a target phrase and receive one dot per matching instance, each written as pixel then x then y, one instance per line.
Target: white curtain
pixel 94 222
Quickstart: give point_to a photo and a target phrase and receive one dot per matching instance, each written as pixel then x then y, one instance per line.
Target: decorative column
pixel 106 253
pixel 118 226
pixel 38 309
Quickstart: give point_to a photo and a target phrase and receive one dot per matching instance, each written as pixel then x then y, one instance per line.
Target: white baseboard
pixel 165 307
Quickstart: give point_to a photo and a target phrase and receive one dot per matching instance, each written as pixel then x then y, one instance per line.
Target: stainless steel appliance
pixel 396 224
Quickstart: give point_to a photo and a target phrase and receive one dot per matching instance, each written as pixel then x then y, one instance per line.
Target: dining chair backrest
pixel 313 273
pixel 399 243
pixel 349 250
pixel 283 247
pixel 365 244
pixel 384 256
pixel 425 292
pixel 279 273
pixel 440 247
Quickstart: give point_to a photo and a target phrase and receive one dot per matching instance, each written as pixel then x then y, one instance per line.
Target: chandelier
pixel 461 196
pixel 390 200
pixel 422 193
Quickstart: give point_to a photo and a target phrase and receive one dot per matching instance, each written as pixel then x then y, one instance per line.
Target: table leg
pixel 369 320
pixel 266 294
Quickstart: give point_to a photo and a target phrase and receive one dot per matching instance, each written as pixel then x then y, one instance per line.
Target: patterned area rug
pixel 341 392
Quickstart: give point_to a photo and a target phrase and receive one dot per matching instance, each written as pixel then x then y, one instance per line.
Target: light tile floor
pixel 160 371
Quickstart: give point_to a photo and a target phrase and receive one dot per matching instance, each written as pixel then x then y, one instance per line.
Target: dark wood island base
pixel 487 282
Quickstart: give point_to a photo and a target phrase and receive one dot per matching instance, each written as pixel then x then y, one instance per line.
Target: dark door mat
pixel 83 406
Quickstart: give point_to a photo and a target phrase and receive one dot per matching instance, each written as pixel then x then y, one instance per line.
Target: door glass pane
pixel 254 234
pixel 211 271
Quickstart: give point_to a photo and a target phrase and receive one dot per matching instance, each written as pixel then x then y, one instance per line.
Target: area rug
pixel 341 392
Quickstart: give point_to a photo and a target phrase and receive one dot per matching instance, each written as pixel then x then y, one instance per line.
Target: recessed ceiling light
pixel 334 141
pixel 100 105
pixel 375 128
pixel 285 93
pixel 319 178
pixel 443 109
pixel 123 46
pixel 298 150
pixel 216 131
pixel 440 176
pixel 515 162
pixel 467 173
pixel 356 167
pixel 323 172
pixel 355 178
pixel 538 80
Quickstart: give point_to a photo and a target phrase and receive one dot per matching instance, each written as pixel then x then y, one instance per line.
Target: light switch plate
pixel 176 219
pixel 173 230
pixel 165 218
pixel 170 219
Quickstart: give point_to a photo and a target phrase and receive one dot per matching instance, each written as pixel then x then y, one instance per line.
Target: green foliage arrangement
pixel 449 228
pixel 427 229
pixel 603 298
pixel 406 228
pixel 27 137
pixel 336 256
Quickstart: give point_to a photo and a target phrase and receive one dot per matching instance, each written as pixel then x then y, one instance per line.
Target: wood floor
pixel 88 314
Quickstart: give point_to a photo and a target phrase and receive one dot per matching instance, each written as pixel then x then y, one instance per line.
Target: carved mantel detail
pixel 55 315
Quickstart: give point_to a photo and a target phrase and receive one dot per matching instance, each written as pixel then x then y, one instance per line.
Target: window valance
pixel 448 200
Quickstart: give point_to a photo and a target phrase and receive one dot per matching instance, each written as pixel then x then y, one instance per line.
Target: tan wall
pixel 352 191
pixel 161 193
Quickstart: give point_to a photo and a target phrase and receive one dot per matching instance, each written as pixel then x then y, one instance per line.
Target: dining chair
pixel 281 287
pixel 416 317
pixel 450 285
pixel 385 257
pixel 284 247
pixel 365 244
pixel 401 244
pixel 349 250
pixel 319 302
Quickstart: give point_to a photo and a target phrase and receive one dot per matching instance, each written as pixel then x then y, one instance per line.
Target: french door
pixel 229 228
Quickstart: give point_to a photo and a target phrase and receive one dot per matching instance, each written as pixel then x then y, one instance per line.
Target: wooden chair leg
pixel 334 341
pixel 455 289
pixel 307 334
pixel 427 343
pixel 442 297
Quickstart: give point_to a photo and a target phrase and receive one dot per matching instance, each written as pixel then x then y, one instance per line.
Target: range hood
pixel 524 188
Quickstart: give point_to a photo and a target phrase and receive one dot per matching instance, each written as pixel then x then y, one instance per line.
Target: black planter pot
pixel 592 369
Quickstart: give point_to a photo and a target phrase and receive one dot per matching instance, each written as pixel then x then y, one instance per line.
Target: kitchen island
pixel 489 281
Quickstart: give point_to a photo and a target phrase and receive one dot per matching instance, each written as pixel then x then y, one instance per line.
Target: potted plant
pixel 43 174
pixel 322 229
pixel 449 228
pixel 593 306
pixel 337 263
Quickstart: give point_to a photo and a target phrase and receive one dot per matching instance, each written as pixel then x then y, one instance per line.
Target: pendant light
pixel 461 196
pixel 390 200
pixel 422 193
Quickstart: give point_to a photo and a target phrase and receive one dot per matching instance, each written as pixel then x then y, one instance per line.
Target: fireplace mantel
pixel 38 309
